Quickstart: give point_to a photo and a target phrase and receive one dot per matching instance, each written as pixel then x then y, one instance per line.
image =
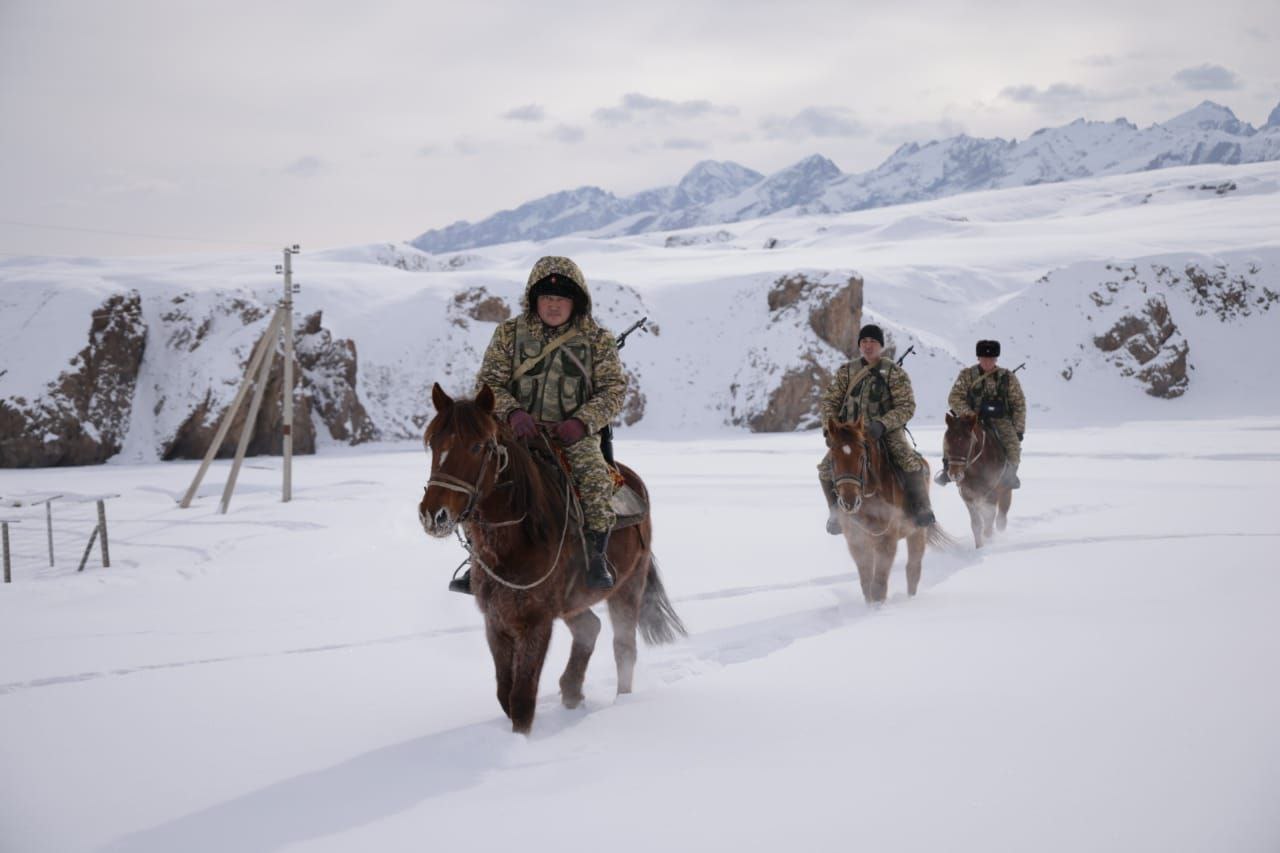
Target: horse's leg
pixel 915 559
pixel 975 520
pixel 886 551
pixel 864 559
pixel 624 614
pixel 502 649
pixel 1006 500
pixel 584 627
pixel 989 518
pixel 530 652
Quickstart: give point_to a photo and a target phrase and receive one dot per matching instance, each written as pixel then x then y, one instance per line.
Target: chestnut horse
pixel 528 555
pixel 976 460
pixel 873 510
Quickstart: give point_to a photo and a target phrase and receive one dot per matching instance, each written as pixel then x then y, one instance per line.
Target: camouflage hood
pixel 554 265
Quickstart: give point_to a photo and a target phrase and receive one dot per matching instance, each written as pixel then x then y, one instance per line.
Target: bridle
pixel 970 457
pixel 473 490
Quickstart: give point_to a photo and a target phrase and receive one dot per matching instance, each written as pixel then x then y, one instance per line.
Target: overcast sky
pixel 335 123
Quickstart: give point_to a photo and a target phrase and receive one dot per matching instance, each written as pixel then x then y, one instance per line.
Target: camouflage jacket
pixel 882 393
pixel 608 381
pixel 973 387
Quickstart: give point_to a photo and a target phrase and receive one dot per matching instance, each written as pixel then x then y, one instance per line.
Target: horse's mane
pixel 530 493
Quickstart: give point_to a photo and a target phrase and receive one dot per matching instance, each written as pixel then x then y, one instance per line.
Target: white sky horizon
pixel 326 125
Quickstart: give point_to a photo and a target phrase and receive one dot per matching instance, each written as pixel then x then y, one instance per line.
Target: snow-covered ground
pixel 295 677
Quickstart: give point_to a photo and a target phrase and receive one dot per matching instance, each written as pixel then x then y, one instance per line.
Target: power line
pixel 111 233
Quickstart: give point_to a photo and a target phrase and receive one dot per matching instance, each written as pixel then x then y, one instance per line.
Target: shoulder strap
pixel 552 345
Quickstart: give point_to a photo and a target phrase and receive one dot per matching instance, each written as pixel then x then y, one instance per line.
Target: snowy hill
pixel 1150 295
pixel 716 193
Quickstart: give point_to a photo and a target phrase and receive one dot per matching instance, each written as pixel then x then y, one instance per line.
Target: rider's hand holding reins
pixel 522 424
pixel 570 430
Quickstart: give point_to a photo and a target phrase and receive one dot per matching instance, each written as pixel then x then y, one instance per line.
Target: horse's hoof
pixel 570 702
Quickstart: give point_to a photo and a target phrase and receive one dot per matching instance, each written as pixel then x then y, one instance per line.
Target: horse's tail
pixel 938 538
pixel 658 620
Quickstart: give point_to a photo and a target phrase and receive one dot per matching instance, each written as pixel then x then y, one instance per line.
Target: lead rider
pixel 554 365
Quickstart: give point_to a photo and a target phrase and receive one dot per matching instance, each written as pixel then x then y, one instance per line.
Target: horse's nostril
pixel 441 516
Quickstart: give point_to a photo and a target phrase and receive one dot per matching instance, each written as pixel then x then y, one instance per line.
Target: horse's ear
pixel 951 417
pixel 442 401
pixel 484 400
pixel 831 426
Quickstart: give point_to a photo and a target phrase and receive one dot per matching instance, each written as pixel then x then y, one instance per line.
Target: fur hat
pixel 988 349
pixel 557 284
pixel 871 331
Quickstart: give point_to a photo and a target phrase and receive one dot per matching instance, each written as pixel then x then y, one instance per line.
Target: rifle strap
pixel 552 345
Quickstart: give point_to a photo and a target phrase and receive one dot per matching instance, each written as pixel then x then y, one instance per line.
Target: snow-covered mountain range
pixel 724 192
pixel 1150 295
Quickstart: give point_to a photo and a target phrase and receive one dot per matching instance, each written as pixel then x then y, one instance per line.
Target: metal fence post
pixel 48 523
pixel 5 526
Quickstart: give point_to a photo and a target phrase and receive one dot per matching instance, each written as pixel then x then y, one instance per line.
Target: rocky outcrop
pixel 794 402
pixel 834 309
pixel 1148 346
pixel 324 395
pixel 478 304
pixel 84 414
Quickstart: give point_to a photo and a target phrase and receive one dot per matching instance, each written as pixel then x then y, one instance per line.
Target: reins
pixel 473 492
pixel 837 479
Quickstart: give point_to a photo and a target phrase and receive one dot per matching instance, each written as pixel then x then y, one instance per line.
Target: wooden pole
pixel 266 342
pixel 286 493
pixel 87 548
pixel 48 525
pixel 246 432
pixel 102 540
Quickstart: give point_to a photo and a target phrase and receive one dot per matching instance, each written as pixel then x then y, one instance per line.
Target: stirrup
pixel 461 583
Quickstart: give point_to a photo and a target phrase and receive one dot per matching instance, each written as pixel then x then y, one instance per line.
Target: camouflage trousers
pixel 1008 436
pixel 595 483
pixel 901 452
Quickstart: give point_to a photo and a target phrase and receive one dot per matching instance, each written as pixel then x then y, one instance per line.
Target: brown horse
pixel 529 556
pixel 873 513
pixel 976 460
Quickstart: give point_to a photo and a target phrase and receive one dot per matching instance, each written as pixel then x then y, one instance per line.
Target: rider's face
pixel 987 363
pixel 870 349
pixel 554 310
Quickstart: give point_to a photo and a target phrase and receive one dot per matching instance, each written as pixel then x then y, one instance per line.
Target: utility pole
pixel 255 376
pixel 287 306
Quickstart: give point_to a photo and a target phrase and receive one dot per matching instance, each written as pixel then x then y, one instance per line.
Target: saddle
pixel 628 505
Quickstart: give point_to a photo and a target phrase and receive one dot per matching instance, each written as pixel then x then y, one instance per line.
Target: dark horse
pixel 873 505
pixel 976 460
pixel 529 558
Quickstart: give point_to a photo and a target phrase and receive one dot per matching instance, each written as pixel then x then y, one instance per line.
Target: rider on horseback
pixel 878 391
pixel 554 365
pixel 995 396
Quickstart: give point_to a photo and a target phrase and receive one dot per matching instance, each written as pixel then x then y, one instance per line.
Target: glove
pixel 571 430
pixel 522 424
pixel 875 430
pixel 1019 436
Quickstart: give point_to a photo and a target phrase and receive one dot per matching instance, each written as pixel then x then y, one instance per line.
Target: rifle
pixel 638 324
pixel 1019 367
pixel 903 357
pixel 606 434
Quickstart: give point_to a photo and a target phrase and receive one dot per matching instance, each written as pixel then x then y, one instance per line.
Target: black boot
pixel 462 583
pixel 1009 479
pixel 918 498
pixel 833 520
pixel 598 576
pixel 942 477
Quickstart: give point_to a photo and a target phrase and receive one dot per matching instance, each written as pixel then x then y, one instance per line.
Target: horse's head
pixel 961 444
pixel 849 462
pixel 465 459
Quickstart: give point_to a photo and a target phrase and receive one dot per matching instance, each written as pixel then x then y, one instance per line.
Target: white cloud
pixel 681 143
pixel 307 166
pixel 568 134
pixel 637 107
pixel 815 123
pixel 1207 78
pixel 527 112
